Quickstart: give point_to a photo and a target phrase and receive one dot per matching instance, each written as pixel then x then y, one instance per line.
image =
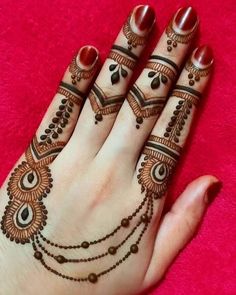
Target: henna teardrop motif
pixel 27 183
pixel 22 220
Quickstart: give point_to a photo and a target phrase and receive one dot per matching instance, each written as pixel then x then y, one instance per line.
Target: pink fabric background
pixel 37 41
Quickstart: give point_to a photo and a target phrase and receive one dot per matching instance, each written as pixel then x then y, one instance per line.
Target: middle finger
pixel 149 93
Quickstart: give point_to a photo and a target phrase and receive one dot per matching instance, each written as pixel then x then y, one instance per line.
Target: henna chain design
pixel 85 244
pixel 111 250
pixel 92 277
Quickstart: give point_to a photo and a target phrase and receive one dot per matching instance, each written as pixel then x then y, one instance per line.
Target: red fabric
pixel 37 41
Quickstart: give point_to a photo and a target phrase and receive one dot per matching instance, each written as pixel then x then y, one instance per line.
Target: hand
pixel 82 210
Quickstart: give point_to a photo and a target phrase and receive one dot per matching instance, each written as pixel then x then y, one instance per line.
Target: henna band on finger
pixel 160 159
pixel 102 104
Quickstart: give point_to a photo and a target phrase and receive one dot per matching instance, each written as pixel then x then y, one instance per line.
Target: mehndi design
pixel 102 104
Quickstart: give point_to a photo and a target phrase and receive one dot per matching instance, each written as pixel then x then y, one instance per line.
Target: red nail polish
pixel 203 55
pixel 144 17
pixel 186 18
pixel 88 55
pixel 213 191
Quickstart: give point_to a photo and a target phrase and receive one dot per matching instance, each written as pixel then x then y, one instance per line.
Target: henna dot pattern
pixel 71 97
pixel 83 64
pixel 181 28
pixel 141 20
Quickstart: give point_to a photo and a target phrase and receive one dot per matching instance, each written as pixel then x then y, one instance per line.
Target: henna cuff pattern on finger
pixel 78 73
pixel 142 106
pixel 133 39
pixel 102 104
pixel 181 28
pixel 160 159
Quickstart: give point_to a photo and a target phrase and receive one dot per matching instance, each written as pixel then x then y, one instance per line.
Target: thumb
pixel 179 225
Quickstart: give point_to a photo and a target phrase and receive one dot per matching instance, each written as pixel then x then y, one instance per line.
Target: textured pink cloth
pixel 37 41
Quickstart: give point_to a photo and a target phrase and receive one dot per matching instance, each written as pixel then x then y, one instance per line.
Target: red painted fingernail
pixel 186 18
pixel 88 55
pixel 144 17
pixel 213 191
pixel 203 55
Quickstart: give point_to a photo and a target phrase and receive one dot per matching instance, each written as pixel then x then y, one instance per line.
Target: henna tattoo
pixel 102 104
pixel 160 72
pixel 124 59
pixel 78 73
pixel 145 219
pixel 195 73
pixel 142 106
pixel 72 97
pixel 182 28
pixel 133 39
pixel 161 156
pixel 31 181
pixel 188 98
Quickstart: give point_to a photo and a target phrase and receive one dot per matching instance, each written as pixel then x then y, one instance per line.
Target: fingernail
pixel 144 17
pixel 212 192
pixel 186 18
pixel 203 56
pixel 88 55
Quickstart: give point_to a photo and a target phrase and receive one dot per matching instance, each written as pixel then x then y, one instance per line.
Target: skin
pixel 91 193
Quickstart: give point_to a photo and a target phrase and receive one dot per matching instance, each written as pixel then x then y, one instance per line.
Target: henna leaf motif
pixel 115 77
pixel 155 83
